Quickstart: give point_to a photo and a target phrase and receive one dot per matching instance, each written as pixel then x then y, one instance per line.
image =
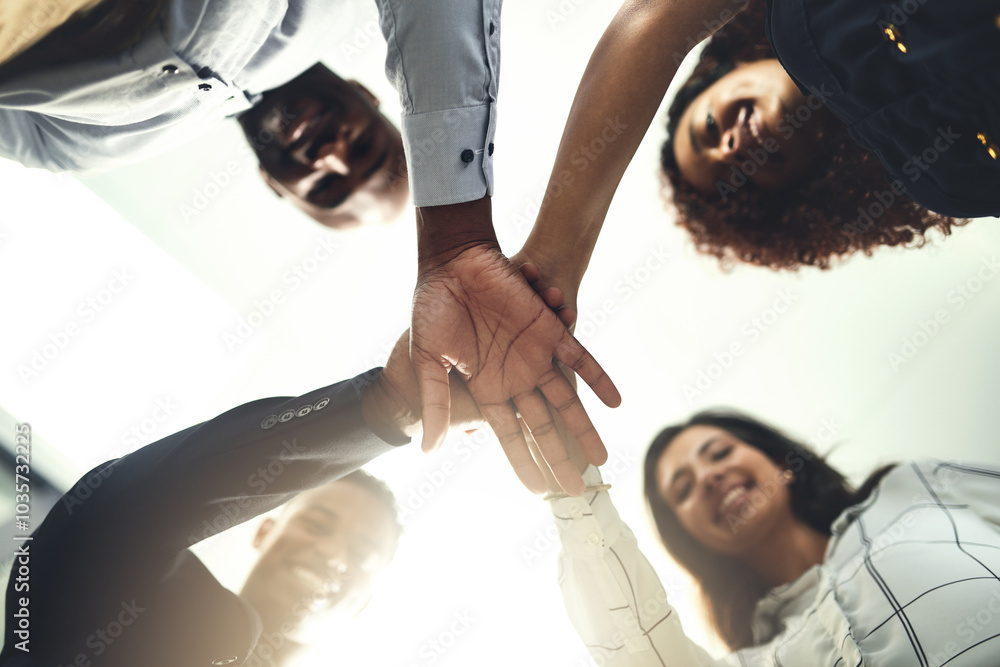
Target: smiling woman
pixel 795 567
pixel 762 173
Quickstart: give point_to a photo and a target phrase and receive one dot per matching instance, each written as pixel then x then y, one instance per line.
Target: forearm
pixel 622 87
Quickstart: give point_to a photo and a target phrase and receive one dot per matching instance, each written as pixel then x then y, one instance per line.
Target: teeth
pixel 324 586
pixel 753 130
pixel 733 494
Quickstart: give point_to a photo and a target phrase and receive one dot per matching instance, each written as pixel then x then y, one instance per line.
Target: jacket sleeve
pixel 443 58
pixel 193 484
pixel 613 597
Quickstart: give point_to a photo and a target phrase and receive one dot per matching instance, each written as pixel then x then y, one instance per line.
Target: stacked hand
pixel 476 315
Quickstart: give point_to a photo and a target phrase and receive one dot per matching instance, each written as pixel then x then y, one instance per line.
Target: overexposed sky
pixel 155 294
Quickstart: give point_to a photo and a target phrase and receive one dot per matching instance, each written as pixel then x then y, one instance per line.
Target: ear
pixel 271 183
pixel 265 528
pixel 369 95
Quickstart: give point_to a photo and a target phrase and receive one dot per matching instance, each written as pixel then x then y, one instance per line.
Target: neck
pixel 786 554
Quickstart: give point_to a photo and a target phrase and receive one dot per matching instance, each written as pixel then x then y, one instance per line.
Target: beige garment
pixel 25 22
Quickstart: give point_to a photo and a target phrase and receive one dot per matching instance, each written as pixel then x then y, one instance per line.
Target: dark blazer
pixel 916 81
pixel 112 582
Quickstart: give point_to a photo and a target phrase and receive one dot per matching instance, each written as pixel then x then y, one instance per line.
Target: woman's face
pixel 752 124
pixel 727 494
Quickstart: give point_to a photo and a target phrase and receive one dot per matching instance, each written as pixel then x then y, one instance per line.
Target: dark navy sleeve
pixel 122 531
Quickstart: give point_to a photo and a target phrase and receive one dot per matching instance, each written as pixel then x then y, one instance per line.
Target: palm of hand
pixel 478 316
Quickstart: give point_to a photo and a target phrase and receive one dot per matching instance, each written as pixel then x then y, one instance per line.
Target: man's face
pixel 322 143
pixel 320 557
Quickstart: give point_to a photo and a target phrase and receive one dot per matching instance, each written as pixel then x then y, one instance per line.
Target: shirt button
pixel 205 86
pixel 468 155
pixel 170 69
pixel 493 28
pixel 225 660
pixel 593 539
pixel 490 150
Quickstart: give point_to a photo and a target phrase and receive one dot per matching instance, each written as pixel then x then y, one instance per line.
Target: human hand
pixel 559 294
pixel 477 315
pixel 391 403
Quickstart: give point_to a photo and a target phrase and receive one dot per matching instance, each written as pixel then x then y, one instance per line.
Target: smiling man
pixel 323 144
pixel 121 80
pixel 114 584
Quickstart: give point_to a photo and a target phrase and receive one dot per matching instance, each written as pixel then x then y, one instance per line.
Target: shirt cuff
pixel 449 154
pixel 587 524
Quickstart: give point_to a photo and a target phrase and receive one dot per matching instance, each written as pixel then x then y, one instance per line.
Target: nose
pixel 729 146
pixel 333 155
pixel 711 477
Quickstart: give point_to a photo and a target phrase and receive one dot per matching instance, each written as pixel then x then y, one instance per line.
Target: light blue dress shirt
pixel 201 61
pixel 444 59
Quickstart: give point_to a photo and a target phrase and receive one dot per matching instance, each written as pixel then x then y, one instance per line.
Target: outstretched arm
pixel 473 313
pixel 622 87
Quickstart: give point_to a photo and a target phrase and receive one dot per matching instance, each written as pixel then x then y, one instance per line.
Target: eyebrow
pixel 693 138
pixel 701 452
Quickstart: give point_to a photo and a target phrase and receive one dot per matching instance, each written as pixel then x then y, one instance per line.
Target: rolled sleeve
pixel 612 594
pixel 443 57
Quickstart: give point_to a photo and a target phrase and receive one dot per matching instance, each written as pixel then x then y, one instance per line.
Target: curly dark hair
pixel 729 588
pixel 845 203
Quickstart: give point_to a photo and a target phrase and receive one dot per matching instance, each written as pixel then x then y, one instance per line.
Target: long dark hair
pixel 729 588
pixel 844 204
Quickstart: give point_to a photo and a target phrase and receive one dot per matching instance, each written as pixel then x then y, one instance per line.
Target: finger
pixel 531 272
pixel 569 351
pixel 553 297
pixel 568 316
pixel 564 400
pixel 503 420
pixel 539 420
pixel 435 399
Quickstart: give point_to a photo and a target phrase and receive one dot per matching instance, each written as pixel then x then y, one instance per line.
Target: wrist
pixel 445 232
pixel 388 417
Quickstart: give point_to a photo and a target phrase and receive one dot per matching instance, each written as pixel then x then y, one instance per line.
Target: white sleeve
pixel 443 57
pixel 613 597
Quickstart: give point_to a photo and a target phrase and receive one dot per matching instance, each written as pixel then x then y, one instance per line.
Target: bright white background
pixel 476 543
